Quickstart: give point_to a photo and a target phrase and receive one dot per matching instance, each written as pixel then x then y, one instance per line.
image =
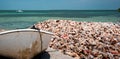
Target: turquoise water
pixel 10 19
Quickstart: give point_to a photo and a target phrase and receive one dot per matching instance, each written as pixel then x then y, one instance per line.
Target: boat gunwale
pixel 25 30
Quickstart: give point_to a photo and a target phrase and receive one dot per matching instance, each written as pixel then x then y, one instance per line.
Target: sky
pixel 59 4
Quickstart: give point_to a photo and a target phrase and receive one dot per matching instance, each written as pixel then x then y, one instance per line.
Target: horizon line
pixel 66 9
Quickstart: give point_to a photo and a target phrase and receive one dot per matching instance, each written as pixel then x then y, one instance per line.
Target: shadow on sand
pixel 3 57
pixel 43 55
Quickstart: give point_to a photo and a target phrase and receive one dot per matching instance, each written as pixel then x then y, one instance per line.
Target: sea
pixel 12 19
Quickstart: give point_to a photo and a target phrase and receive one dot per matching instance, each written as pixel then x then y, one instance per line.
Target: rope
pixel 40 38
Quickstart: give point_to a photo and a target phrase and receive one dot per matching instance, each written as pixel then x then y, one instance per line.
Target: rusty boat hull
pixel 23 43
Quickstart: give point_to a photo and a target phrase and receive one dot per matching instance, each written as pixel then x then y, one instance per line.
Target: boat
pixel 19 11
pixel 23 43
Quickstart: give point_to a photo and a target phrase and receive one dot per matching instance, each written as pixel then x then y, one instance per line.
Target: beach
pixel 77 34
pixel 87 40
pixel 76 40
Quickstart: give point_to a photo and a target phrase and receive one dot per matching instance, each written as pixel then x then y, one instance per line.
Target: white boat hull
pixel 23 43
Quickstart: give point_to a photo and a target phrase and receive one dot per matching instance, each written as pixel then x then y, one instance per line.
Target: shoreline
pixel 24 22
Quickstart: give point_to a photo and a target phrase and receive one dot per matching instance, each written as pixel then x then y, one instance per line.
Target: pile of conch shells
pixel 84 40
